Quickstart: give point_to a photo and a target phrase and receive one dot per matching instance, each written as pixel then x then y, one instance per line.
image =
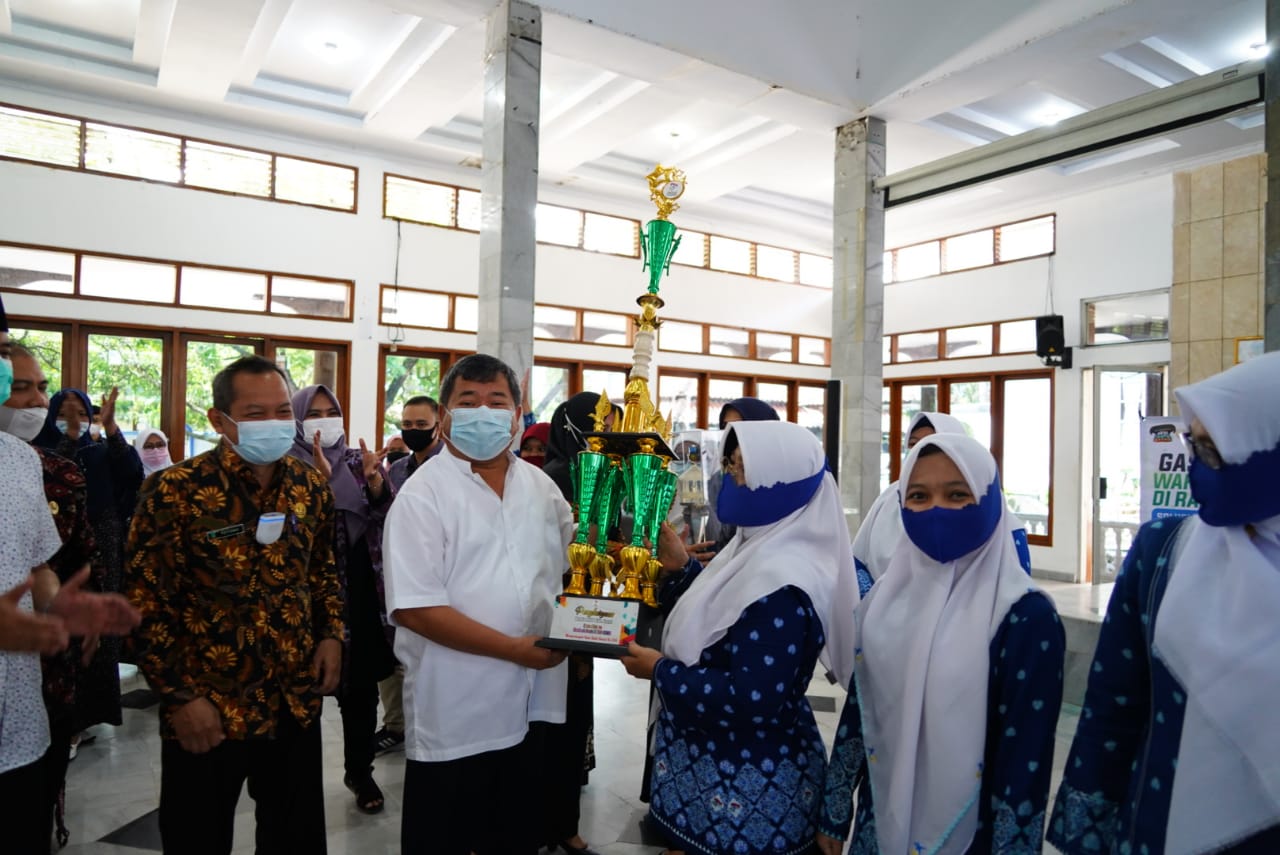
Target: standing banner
pixel 1166 490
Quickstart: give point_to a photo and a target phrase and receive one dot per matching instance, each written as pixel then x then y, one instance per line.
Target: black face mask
pixel 419 440
pixel 393 456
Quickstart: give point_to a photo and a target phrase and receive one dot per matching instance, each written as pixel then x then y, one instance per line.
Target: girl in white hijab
pixel 948 734
pixel 1177 750
pixel 738 759
pixel 153 447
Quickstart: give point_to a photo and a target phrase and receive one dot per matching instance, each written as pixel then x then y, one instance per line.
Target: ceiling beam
pixel 418 47
pixel 260 41
pixel 441 87
pixel 6 17
pixel 206 44
pixel 152 31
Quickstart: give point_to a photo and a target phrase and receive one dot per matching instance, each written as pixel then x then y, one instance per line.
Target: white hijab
pixel 809 549
pixel 140 441
pixel 878 536
pixel 1217 632
pixel 922 666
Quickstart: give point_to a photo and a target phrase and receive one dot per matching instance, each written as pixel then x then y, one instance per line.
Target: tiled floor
pixel 116 780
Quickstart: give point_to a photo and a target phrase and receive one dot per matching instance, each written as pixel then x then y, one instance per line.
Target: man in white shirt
pixel 473 556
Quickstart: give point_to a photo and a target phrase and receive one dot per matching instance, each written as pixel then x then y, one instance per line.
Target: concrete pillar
pixel 509 183
pixel 857 310
pixel 1271 286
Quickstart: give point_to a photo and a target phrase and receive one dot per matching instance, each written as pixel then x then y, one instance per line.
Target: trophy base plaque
pixel 599 627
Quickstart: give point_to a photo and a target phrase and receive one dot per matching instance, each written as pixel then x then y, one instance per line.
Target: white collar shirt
pixel 451 541
pixel 28 538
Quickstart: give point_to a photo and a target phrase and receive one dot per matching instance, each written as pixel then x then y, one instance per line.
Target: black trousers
pixel 198 793
pixel 28 823
pixel 486 803
pixel 564 750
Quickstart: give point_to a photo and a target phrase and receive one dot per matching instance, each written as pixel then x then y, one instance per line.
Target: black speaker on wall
pixel 1051 345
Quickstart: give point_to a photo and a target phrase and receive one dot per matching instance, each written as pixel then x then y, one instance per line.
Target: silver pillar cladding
pixel 509 183
pixel 857 310
pixel 1271 228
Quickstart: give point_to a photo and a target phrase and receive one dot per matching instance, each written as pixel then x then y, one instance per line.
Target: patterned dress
pixel 1118 783
pixel 738 759
pixel 1024 696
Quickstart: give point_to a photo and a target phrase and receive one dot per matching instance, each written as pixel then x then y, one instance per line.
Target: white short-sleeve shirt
pixel 450 541
pixel 28 538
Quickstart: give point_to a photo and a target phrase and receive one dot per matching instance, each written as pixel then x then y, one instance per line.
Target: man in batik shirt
pixel 230 563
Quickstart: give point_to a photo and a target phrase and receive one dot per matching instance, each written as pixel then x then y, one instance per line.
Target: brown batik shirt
pixel 223 616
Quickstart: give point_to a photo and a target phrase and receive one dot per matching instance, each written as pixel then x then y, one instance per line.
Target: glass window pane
pixel 222 289
pixel 1028 452
pixel 407 375
pixel 971 403
pixel 37 270
pixel 419 201
pixel 726 341
pixel 605 328
pixel 976 249
pixel 610 381
pixel 914 347
pixel 775 395
pixel 305 366
pixel 969 341
pixel 815 270
pixel 1018 337
pixel 720 391
pixel 466 314
pixel 469 210
pixel 47 347
pixel 555 323
pixel 916 262
pixel 1026 239
pixel 678 399
pixel 322 298
pixel 120 279
pixel 123 151
pixel 325 184
pixel 886 265
pixel 812 410
pixel 610 234
pixel 774 263
pixel 135 365
pixel 732 256
pixel 692 249
pixel 204 360
pixel 774 347
pixel 1139 317
pixel 916 398
pixel 558 225
pixel 410 308
pixel 676 335
pixel 40 137
pixel 235 170
pixel 813 351
pixel 549 388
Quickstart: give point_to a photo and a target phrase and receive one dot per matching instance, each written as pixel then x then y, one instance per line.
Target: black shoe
pixel 386 741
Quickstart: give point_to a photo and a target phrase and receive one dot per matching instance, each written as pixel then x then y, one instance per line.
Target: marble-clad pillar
pixel 509 183
pixel 1271 225
pixel 857 310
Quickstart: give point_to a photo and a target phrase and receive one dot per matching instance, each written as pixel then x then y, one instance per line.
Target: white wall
pixel 1113 241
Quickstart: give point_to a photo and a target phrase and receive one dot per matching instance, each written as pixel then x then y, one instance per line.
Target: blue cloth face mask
pixel 947 534
pixel 480 433
pixel 263 442
pixel 1237 493
pixel 6 379
pixel 743 506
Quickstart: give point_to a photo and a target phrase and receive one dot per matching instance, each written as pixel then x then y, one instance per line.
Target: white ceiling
pixel 750 118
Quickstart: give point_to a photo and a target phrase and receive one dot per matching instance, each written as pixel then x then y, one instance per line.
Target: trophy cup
pixel 610 602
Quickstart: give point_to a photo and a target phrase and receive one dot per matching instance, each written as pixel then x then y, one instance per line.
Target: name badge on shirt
pixel 224 533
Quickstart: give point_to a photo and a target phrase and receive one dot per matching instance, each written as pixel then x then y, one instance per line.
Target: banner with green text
pixel 1166 491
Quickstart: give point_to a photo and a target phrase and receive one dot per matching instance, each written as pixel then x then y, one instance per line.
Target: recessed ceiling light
pixel 330 45
pixel 1256 48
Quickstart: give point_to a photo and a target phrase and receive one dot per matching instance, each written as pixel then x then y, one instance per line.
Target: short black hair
pixel 479 368
pixel 223 382
pixel 418 400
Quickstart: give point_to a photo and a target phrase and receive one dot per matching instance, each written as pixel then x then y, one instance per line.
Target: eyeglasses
pixel 1204 451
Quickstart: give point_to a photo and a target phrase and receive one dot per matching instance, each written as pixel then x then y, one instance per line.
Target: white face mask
pixel 24 424
pixel 331 431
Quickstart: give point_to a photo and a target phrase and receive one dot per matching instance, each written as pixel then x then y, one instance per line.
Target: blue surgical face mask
pixel 263 442
pixel 480 433
pixel 743 506
pixel 948 534
pixel 6 379
pixel 1237 493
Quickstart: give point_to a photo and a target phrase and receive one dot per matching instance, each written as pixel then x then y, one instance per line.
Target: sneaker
pixel 385 741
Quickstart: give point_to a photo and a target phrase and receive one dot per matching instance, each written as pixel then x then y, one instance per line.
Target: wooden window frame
pixel 995 250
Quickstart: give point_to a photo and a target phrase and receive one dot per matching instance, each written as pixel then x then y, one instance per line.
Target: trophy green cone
pixel 588 473
pixel 606 512
pixel 668 485
pixel 645 471
pixel 659 242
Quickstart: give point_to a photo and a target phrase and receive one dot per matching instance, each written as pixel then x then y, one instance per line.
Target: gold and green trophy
pixel 609 601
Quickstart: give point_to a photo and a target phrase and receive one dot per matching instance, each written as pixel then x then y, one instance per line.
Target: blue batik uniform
pixel 1116 790
pixel 738 759
pixel 1024 696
